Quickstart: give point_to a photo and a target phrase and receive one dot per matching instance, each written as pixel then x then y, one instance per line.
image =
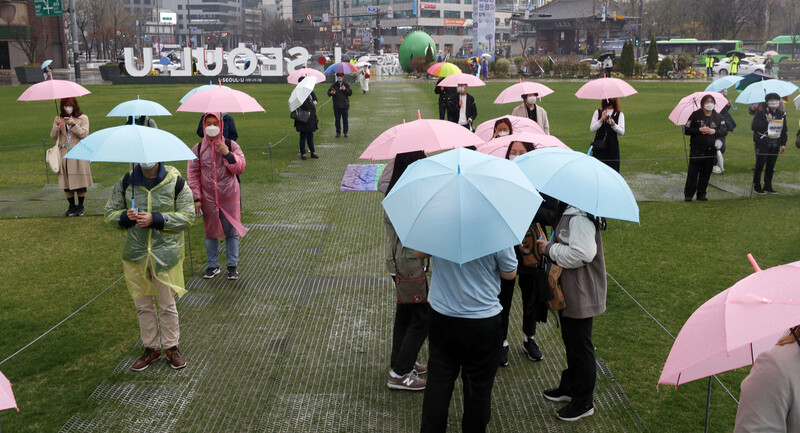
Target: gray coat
pixel 770 398
pixel 579 250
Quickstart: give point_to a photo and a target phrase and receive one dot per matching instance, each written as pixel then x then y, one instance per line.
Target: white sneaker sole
pixel 208 277
pixel 589 412
pixel 564 398
pixel 392 385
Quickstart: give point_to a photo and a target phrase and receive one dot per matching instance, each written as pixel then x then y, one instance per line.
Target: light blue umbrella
pixel 757 92
pixel 581 181
pixel 131 143
pixel 197 89
pixel 723 83
pixel 461 205
pixel 138 107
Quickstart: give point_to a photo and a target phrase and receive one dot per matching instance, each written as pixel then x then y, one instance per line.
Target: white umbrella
pixel 301 92
pixel 362 64
pixel 797 102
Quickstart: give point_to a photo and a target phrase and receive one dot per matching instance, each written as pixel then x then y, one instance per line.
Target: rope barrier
pixel 664 329
pixel 61 322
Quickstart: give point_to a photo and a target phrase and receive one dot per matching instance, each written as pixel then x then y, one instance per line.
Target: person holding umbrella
pixel 462 108
pixel 705 126
pixel 533 283
pixel 445 94
pixel 307 128
pixel 340 92
pixel 578 248
pixel 214 179
pixel 411 319
pixel 74 176
pixel 363 78
pixel 532 111
pixel 607 123
pixel 152 254
pixel 769 134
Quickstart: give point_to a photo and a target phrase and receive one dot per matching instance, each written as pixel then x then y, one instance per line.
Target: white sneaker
pixel 716 170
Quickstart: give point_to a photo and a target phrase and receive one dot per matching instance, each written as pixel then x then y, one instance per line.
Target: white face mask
pixel 774 104
pixel 462 89
pixel 502 133
pixel 68 109
pixel 146 166
pixel 531 100
pixel 708 107
pixel 609 111
pixel 212 131
pixel 511 157
pixel 340 79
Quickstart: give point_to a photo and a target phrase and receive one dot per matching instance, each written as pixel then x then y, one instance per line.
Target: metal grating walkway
pixel 300 343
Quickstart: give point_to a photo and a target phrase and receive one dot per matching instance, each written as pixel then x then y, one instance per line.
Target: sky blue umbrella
pixel 757 92
pixel 341 68
pixel 581 181
pixel 461 205
pixel 723 83
pixel 138 107
pixel 197 89
pixel 131 143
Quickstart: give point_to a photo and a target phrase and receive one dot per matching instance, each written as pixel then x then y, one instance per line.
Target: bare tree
pixel 724 19
pixel 31 40
pixel 274 31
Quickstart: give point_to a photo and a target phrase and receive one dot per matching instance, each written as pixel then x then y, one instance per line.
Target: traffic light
pixel 615 15
pixel 317 20
pixel 225 34
pixel 637 42
pixel 298 21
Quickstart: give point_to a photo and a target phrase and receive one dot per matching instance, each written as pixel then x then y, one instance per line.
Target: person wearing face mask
pixel 307 128
pixel 730 125
pixel 228 127
pixel 445 95
pixel 502 127
pixel 462 108
pixel 607 123
pixel 534 288
pixel 340 92
pixel 213 177
pixel 152 253
pixel 532 111
pixel 75 175
pixel 705 126
pixel 769 135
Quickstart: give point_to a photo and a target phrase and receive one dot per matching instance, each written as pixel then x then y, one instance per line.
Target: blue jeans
pixel 341 114
pixel 231 245
pixel 306 137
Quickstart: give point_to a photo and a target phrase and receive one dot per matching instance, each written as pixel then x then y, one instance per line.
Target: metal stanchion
pixel 46 165
pixel 191 258
pixel 271 165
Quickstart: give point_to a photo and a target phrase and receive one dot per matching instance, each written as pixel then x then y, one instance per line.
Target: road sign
pixel 633 26
pixel 372 10
pixel 309 17
pixel 48 8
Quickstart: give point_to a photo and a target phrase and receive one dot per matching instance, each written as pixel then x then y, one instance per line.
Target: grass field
pixel 680 255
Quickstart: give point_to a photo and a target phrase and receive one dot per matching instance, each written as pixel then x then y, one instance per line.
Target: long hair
pixel 789 338
pixel 401 163
pixel 76 109
pixel 529 147
pixel 613 102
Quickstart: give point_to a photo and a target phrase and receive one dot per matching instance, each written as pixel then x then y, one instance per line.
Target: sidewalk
pixel 301 342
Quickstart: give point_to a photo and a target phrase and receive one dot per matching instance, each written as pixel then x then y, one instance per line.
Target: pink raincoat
pixel 213 181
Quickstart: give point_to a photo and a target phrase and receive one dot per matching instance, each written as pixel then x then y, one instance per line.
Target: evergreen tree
pixel 626 61
pixel 652 55
pixel 664 66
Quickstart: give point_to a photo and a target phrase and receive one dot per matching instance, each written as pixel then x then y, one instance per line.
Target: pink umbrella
pixel 514 93
pixel 770 53
pixel 731 329
pixel 499 146
pixel 294 77
pixel 429 135
pixel 605 88
pixel 53 89
pixel 689 104
pixel 519 124
pixel 456 79
pixel 7 400
pixel 220 99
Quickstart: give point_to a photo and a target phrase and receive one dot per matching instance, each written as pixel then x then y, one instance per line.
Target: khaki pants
pixel 167 316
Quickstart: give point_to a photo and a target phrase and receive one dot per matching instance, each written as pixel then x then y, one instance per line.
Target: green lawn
pixel 680 255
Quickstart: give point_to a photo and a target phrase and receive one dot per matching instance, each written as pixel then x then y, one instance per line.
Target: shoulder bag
pixel 300 115
pixel 411 284
pixel 797 139
pixel 599 145
pixel 553 277
pixel 53 158
pixel 530 254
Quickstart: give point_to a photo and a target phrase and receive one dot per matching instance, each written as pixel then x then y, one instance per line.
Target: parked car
pixel 594 64
pixel 745 67
pixel 643 59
